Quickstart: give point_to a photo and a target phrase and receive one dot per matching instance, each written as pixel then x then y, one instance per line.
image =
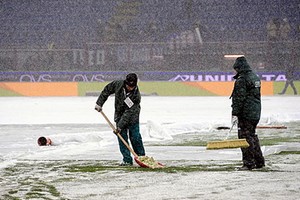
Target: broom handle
pixel 118 134
pixel 229 131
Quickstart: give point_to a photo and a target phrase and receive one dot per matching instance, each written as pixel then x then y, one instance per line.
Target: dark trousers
pixel 287 83
pixel 252 155
pixel 136 141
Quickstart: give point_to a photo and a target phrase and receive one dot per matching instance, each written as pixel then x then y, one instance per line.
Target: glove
pixel 118 130
pixel 234 120
pixel 98 108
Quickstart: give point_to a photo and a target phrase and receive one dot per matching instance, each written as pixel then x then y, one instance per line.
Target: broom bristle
pixel 226 144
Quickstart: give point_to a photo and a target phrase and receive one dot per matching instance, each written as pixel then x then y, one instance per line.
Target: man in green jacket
pixel 127 113
pixel 246 110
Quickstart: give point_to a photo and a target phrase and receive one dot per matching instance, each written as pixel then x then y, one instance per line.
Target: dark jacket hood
pixel 241 65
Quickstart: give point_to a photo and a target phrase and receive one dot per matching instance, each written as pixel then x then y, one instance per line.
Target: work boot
pixel 259 166
pixel 125 164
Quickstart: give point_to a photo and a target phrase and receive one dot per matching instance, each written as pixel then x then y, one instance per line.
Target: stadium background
pixel 177 47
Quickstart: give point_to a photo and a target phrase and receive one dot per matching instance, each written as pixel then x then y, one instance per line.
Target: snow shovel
pixel 226 144
pixel 143 161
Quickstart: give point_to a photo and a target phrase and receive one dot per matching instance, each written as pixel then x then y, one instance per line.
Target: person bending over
pixel 127 113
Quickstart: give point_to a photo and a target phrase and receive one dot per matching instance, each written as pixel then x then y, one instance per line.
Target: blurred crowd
pixel 150 35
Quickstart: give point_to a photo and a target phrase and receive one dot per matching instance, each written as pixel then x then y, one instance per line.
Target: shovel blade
pixel 147 162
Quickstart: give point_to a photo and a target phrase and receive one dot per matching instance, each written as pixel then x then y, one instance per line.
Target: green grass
pixel 177 169
pixel 275 141
pixel 90 87
pixel 165 88
pixel 8 93
pixel 29 181
pixel 288 152
pixel 172 89
pixel 158 88
pixel 198 142
pixel 278 86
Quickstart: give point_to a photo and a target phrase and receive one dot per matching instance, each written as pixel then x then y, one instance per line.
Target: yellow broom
pixel 226 144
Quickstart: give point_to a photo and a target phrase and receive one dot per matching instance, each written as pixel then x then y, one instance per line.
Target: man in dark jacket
pixel 127 113
pixel 246 110
pixel 290 77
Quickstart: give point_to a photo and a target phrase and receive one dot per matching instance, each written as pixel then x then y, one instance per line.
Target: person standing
pixel 290 77
pixel 273 44
pixel 284 29
pixel 127 113
pixel 246 111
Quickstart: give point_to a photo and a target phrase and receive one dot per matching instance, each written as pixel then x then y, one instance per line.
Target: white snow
pixel 79 132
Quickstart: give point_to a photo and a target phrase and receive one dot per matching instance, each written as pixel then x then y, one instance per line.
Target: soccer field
pixel 83 161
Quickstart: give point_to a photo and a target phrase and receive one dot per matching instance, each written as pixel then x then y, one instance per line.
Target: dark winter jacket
pixel 124 116
pixel 246 97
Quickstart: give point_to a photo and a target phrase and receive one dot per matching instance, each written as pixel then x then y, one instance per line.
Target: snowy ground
pixel 169 126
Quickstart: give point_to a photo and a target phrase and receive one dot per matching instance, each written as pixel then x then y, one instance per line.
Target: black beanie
pixel 241 64
pixel 42 141
pixel 131 80
pixel 240 61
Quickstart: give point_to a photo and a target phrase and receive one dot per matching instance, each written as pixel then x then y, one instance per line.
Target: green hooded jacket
pixel 124 115
pixel 246 97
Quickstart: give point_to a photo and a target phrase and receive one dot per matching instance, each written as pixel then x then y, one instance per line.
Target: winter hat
pixel 241 64
pixel 131 80
pixel 42 141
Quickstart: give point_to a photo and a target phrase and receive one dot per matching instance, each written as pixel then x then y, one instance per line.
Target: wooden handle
pixel 118 134
pixel 106 118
